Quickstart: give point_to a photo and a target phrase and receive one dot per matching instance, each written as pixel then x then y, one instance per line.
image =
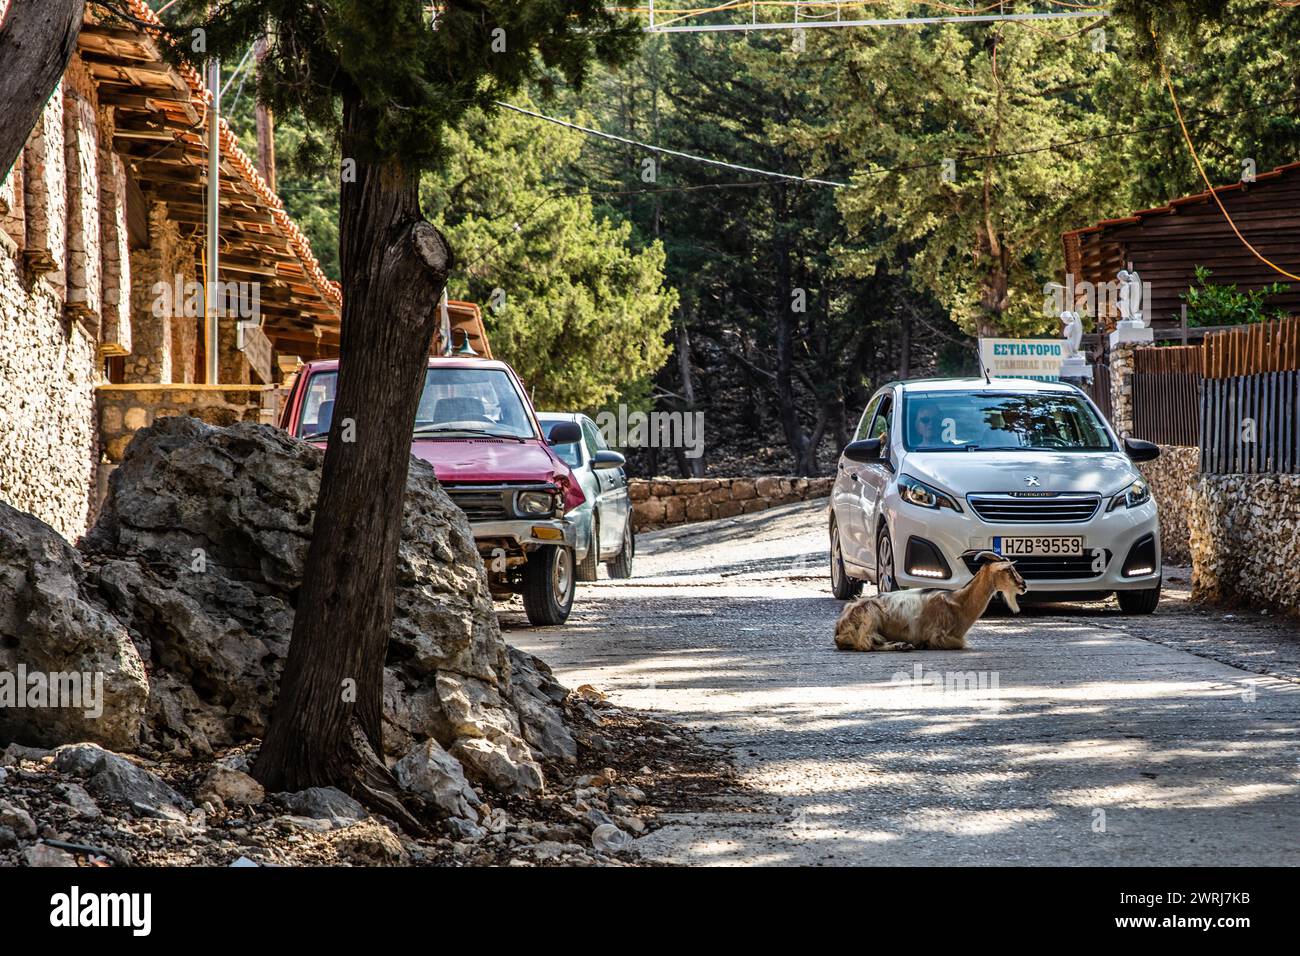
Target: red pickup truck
pixel 476 426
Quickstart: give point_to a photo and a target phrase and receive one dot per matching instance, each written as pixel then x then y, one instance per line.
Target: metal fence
pixel 1251 424
pixel 1099 388
pixel 1167 407
pixel 1165 386
pixel 1250 400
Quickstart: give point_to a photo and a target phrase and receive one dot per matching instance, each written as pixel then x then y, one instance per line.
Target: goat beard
pixel 1010 597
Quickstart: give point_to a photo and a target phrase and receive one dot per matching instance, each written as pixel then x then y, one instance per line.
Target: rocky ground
pixel 182 599
pixel 79 805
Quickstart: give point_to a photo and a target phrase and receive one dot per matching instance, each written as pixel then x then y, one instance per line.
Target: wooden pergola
pixel 161 121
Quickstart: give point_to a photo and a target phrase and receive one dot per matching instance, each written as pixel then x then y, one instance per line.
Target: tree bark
pixel 264 124
pixel 785 397
pixel 691 467
pixel 37 39
pixel 326 726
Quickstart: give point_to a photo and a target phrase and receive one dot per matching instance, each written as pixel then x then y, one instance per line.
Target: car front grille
pixel 479 504
pixel 1056 509
pixel 1054 568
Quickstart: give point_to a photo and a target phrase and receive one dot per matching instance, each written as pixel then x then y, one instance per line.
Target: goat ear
pixel 988 557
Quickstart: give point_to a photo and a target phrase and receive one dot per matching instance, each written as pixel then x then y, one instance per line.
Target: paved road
pixel 1063 735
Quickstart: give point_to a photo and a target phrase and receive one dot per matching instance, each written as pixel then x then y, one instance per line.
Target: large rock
pixel 68 670
pixel 200 551
pixel 438 777
pixel 111 776
pixel 326 803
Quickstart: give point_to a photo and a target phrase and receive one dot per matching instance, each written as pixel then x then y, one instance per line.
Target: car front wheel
pixel 549 585
pixel 587 567
pixel 842 586
pixel 621 566
pixel 885 579
pixel 1139 602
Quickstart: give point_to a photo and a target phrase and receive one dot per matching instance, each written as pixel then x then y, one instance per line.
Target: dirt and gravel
pixel 1068 735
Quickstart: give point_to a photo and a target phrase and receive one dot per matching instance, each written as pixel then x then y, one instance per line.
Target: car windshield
pixel 456 402
pixel 1001 421
pixel 570 454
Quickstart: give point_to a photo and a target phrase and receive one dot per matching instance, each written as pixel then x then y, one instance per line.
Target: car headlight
pixel 1138 493
pixel 923 496
pixel 535 504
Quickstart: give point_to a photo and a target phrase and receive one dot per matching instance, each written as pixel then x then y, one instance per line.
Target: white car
pixel 604 521
pixel 942 469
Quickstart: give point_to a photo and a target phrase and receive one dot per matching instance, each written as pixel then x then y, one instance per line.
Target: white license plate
pixel 1038 547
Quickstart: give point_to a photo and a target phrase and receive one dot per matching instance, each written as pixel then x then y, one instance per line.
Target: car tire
pixel 886 580
pixel 1138 602
pixel 842 586
pixel 621 566
pixel 549 582
pixel 591 563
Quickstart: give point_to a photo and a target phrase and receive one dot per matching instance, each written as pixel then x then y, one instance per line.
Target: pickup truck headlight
pixel 923 496
pixel 1138 493
pixel 535 504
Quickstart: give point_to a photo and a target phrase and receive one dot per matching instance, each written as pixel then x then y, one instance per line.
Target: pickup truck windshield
pixel 456 403
pixel 1001 421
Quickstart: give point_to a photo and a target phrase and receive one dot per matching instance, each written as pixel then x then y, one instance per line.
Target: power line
pixel 671 152
pixel 1214 193
pixel 962 157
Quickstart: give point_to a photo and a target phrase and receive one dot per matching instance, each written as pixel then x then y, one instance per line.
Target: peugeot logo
pixel 1031 481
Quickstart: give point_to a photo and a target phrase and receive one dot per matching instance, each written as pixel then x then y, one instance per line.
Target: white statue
pixel 1073 334
pixel 1130 299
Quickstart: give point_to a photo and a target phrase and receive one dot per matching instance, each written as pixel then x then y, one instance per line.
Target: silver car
pixel 604 520
pixel 942 470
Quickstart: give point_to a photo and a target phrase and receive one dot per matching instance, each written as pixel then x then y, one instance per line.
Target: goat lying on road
pixel 930 618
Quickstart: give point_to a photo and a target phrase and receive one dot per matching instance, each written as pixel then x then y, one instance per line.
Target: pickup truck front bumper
pixel 518 535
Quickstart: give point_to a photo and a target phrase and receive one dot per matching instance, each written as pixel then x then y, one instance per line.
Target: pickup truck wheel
pixel 549 585
pixel 588 566
pixel 621 566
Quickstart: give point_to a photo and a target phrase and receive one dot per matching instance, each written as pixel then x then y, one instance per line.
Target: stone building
pixel 102 228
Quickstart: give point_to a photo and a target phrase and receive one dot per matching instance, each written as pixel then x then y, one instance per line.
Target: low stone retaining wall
pixel 659 502
pixel 1245 538
pixel 1172 477
pixel 125 409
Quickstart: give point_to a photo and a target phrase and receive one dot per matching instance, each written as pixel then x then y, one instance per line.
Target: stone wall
pixel 47 402
pixel 125 409
pixel 1172 477
pixel 1245 540
pixel 658 502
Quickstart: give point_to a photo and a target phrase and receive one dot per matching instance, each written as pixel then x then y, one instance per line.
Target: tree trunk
pixel 326 726
pixel 264 124
pixel 37 39
pixel 785 321
pixel 693 467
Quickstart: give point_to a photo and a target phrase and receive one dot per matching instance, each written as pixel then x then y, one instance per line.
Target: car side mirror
pixel 565 433
pixel 864 452
pixel 607 459
pixel 1139 450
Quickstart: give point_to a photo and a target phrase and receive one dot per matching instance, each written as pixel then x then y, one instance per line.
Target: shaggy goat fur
pixel 930 618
